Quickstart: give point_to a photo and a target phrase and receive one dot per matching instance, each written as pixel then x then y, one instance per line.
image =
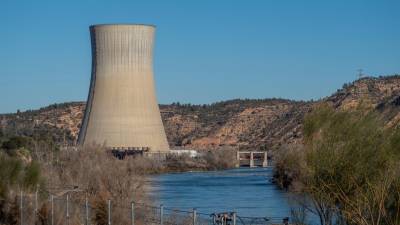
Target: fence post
pixel 36 202
pixel 234 218
pixel 52 209
pixel 132 213
pixel 67 209
pixel 109 212
pixel 21 208
pixel 214 219
pixel 86 211
pixel 194 216
pixel 161 214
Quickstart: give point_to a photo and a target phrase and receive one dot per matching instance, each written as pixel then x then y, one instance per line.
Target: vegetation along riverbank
pixel 349 167
pixel 31 164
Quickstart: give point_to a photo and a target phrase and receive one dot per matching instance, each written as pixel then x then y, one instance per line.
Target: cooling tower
pixel 122 110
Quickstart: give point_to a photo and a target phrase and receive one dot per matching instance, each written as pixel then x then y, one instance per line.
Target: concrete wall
pixel 122 109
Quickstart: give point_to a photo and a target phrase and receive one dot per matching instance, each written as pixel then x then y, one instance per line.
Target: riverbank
pixel 204 161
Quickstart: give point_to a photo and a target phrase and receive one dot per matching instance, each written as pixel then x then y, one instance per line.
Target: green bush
pixel 10 169
pixel 14 173
pixel 31 175
pixel 352 166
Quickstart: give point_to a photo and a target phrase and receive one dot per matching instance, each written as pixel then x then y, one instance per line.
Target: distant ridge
pixel 237 123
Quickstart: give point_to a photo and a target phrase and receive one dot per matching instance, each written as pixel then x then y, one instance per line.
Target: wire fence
pixel 65 210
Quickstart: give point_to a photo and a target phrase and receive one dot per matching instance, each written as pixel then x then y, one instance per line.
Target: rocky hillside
pixel 234 124
pixel 240 124
pixel 381 94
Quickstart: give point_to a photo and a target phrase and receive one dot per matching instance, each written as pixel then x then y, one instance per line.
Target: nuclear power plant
pixel 122 110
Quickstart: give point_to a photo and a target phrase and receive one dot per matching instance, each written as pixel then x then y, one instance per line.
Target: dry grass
pixel 98 176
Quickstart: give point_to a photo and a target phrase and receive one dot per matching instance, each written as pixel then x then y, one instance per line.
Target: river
pixel 247 191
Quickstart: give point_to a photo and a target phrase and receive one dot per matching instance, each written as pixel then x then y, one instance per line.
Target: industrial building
pixel 122 110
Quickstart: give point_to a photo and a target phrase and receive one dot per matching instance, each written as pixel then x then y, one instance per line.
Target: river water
pixel 247 191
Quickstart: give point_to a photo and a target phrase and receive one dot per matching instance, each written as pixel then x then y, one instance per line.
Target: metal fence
pixel 65 210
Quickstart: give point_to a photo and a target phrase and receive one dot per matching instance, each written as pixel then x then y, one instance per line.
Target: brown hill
pixel 234 124
pixel 240 124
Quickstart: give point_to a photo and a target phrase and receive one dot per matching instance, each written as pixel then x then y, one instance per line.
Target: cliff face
pixel 255 124
pixel 236 124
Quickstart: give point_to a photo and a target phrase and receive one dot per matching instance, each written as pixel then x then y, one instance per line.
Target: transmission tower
pixel 360 73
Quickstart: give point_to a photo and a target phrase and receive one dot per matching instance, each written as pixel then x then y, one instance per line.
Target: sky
pixel 205 51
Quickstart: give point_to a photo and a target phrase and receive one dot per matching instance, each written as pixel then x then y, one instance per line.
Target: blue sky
pixel 206 50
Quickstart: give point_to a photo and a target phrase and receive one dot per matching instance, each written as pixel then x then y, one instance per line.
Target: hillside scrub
pixel 239 123
pixel 351 169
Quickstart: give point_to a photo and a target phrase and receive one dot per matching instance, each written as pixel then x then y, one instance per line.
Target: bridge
pixel 252 159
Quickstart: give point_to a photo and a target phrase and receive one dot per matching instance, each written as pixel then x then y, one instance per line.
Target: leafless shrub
pixel 221 159
pixel 100 211
pixel 99 176
pixel 299 215
pixel 289 164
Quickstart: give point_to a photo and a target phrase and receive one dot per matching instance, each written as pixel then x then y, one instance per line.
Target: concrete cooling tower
pixel 122 110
